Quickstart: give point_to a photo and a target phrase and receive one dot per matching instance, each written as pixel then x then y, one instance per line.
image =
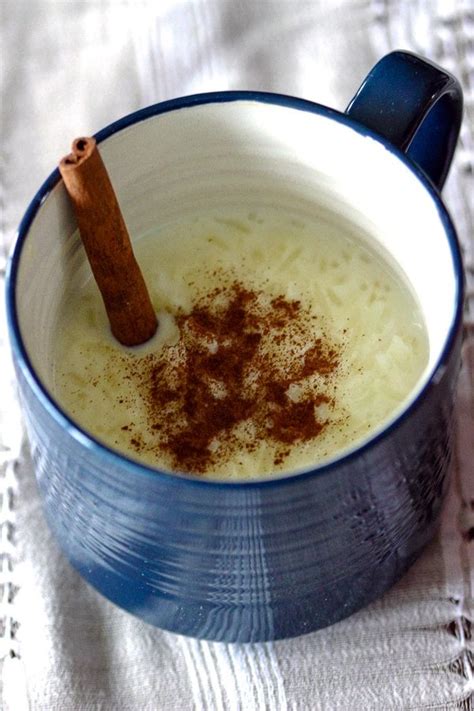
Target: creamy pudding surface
pixel 282 341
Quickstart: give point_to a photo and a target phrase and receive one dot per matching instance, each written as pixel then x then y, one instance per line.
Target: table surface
pixel 71 67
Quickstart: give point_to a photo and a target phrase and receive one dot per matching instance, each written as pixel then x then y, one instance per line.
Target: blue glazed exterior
pixel 256 561
pixel 244 561
pixel 417 106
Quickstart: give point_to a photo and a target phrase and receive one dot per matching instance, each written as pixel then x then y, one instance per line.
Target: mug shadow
pixel 82 631
pixel 61 609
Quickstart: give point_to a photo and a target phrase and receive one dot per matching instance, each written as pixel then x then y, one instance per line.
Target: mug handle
pixel 417 106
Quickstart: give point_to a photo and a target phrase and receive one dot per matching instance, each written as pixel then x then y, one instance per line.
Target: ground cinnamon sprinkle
pixel 243 370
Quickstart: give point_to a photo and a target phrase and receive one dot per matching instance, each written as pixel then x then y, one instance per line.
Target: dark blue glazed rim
pixel 94 446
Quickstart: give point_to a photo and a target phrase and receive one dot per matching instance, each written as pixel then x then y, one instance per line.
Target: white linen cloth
pixel 69 68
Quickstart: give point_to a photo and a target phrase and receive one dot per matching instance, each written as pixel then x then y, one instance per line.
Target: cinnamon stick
pixel 107 244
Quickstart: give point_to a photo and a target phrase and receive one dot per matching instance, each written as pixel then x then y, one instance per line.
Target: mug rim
pixel 122 461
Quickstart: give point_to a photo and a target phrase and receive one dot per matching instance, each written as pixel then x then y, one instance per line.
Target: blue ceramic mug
pixel 261 559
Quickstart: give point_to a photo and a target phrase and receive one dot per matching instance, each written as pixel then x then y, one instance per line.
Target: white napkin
pixel 70 68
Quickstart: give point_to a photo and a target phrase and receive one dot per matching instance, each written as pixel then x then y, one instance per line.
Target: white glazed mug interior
pixel 257 154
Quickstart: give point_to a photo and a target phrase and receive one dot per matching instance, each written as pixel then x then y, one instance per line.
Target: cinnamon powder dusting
pixel 246 368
